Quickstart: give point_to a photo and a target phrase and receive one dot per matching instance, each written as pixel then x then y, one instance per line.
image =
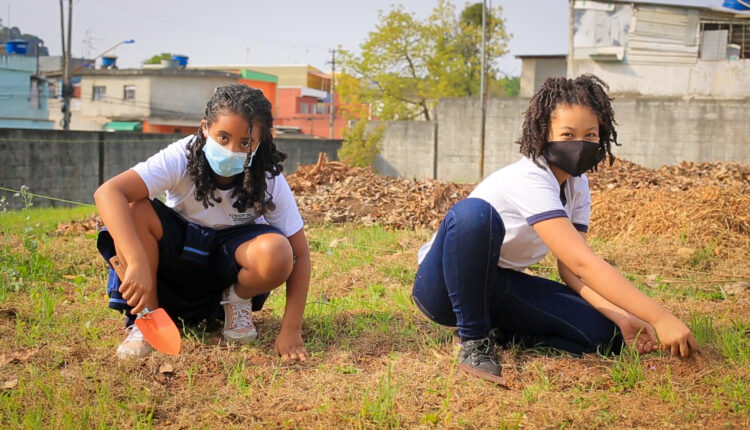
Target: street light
pixel 123 42
pixel 93 61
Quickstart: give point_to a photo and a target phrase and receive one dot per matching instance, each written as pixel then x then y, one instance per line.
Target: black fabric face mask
pixel 574 156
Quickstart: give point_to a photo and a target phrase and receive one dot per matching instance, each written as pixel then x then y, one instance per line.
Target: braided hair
pixel 585 90
pixel 250 192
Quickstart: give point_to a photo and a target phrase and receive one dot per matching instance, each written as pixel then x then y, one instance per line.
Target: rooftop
pixel 155 72
pixel 524 56
pixel 714 5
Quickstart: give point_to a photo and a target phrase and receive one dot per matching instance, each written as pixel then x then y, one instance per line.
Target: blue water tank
pixel 109 61
pixel 737 4
pixel 182 60
pixel 16 46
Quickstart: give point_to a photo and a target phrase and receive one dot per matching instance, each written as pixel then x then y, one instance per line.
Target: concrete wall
pixel 305 150
pixel 653 132
pixel 408 149
pixel 72 165
pixel 458 136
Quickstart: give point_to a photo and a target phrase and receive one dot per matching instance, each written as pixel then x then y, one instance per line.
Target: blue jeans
pixel 460 284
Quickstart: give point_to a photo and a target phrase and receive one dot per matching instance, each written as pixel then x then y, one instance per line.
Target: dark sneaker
pixel 478 358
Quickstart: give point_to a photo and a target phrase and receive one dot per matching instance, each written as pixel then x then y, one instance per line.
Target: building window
pixel 304 108
pixel 320 108
pixel 724 40
pixel 100 92
pixel 129 93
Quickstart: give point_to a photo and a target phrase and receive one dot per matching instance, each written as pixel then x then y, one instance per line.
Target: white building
pixel 165 100
pixel 693 49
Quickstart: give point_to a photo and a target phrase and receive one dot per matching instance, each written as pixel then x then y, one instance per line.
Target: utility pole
pixel 571 23
pixel 331 107
pixel 483 90
pixel 67 90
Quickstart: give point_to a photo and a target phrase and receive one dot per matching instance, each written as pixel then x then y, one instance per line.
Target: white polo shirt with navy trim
pixel 166 171
pixel 525 194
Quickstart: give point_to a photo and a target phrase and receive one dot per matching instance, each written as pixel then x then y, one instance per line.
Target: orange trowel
pixel 157 327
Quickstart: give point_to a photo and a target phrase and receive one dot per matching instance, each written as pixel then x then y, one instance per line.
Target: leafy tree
pixel 360 147
pixel 156 59
pixel 509 86
pixel 407 65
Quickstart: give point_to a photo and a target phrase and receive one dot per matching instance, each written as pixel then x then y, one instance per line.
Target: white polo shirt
pixel 166 171
pixel 525 194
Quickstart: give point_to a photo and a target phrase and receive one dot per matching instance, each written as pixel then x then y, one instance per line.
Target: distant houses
pixel 169 97
pixel 303 97
pixel 152 100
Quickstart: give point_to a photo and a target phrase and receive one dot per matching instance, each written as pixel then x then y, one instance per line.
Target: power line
pixel 331 93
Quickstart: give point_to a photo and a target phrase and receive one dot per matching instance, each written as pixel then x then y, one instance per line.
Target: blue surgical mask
pixel 223 161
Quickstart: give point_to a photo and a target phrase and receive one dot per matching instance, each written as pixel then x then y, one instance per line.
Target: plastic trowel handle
pixel 157 327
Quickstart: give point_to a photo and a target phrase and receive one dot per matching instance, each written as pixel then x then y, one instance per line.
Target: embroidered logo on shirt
pixel 242 218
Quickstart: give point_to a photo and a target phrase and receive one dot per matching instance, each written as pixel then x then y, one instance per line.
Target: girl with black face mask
pixel 471 273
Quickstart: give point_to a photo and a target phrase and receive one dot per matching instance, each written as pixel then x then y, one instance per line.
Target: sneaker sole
pixel 240 340
pixel 126 356
pixel 483 375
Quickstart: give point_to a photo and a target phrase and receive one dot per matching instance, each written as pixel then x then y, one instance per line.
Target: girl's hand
pixel 675 336
pixel 638 334
pixel 137 287
pixel 289 345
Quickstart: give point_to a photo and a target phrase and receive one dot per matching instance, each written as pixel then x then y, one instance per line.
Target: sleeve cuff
pixel 583 228
pixel 557 213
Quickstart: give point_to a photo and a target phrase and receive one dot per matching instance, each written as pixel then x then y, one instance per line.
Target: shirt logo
pixel 242 218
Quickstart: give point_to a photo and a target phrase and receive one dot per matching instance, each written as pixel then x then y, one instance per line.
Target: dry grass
pixel 376 362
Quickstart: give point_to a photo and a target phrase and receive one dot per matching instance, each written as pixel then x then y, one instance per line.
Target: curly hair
pixel 585 90
pixel 250 192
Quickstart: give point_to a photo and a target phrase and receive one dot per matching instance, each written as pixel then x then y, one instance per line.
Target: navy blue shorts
pixel 195 265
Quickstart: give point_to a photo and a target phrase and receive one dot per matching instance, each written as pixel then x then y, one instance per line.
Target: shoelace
pixel 134 333
pixel 482 352
pixel 241 316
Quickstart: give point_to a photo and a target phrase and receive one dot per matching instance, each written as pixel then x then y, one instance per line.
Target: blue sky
pixel 258 32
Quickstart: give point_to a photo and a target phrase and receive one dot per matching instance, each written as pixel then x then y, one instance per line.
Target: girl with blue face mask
pixel 228 232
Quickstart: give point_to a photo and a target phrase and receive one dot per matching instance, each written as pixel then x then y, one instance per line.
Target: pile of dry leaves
pixel 331 191
pixel 703 200
pixel 706 202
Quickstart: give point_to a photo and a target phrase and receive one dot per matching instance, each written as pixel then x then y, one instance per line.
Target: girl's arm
pixel 636 333
pixel 570 248
pixel 112 200
pixel 289 343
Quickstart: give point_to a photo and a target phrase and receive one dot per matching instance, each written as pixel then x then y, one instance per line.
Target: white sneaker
pixel 134 346
pixel 238 318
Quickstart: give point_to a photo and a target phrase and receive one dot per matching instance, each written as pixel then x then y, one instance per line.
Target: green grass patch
pixel 375 360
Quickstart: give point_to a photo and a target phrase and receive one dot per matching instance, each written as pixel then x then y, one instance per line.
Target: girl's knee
pixel 271 256
pixel 476 216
